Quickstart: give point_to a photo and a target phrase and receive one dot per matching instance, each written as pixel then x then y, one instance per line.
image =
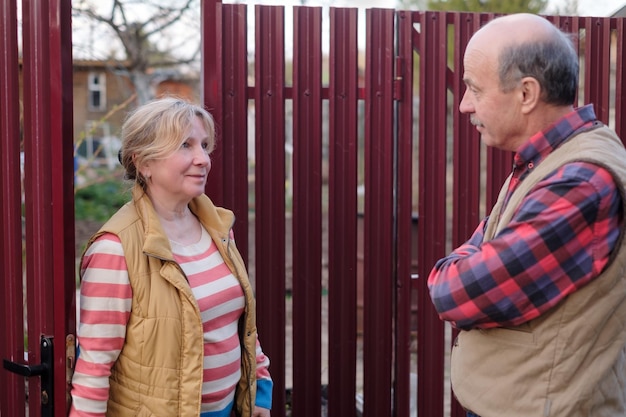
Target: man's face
pixel 496 114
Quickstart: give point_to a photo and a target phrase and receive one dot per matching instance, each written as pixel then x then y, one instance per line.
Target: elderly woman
pixel 167 315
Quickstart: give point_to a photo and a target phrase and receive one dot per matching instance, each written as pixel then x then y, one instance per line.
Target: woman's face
pixel 181 176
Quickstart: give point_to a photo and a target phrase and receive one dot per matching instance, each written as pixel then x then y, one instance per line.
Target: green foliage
pixel 489 6
pixel 100 200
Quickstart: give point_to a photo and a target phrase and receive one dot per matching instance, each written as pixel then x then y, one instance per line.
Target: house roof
pixel 621 12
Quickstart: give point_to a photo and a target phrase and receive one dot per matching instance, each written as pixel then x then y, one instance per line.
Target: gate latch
pixel 44 369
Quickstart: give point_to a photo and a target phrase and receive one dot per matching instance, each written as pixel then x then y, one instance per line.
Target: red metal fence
pixel 330 118
pixel 435 169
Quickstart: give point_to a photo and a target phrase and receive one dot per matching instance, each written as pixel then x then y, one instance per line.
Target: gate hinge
pixel 70 363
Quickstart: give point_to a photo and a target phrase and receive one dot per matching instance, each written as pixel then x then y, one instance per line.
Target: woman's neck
pixel 179 223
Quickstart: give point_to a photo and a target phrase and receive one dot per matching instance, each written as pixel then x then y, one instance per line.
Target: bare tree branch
pixel 139 35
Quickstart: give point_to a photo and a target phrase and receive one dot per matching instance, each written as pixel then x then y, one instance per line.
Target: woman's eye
pixel 207 147
pixel 185 145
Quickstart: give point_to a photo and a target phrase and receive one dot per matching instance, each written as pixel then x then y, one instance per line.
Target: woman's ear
pixel 531 94
pixel 143 170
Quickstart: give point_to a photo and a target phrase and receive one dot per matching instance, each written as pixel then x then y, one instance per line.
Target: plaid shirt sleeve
pixel 559 239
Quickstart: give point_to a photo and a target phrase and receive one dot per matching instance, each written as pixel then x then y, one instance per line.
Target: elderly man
pixel 539 290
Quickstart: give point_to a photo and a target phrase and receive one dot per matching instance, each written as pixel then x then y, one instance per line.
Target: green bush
pixel 100 200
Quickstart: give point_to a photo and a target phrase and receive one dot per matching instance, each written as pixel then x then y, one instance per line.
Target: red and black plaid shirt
pixel 559 239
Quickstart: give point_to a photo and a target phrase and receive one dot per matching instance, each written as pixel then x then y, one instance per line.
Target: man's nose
pixel 466 105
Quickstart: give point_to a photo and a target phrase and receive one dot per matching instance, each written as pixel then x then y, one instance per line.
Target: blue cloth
pixel 470 414
pixel 264 393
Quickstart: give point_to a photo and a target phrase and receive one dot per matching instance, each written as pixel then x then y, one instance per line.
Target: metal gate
pixel 37 243
pixel 367 140
pixel 392 129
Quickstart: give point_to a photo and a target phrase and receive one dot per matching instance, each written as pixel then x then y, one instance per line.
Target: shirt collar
pixel 549 139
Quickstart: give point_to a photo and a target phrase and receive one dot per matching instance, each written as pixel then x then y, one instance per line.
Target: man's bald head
pixel 527 45
pixel 521 27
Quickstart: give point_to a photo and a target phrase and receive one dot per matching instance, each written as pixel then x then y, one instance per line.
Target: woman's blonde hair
pixel 156 129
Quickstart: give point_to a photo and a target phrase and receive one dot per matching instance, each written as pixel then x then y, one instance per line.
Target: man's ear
pixel 531 94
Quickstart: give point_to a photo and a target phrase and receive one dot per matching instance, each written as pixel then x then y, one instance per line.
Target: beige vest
pixel 570 362
pixel 159 370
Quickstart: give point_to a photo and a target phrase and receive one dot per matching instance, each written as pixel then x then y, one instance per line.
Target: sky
pixel 600 8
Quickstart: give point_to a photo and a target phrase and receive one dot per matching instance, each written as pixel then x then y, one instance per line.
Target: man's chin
pixel 488 140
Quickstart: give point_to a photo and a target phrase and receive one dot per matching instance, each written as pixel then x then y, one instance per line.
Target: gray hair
pixel 552 61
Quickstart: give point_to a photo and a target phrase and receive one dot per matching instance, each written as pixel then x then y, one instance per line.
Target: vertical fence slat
pixel 233 133
pixel 342 211
pixel 466 142
pixel 36 167
pixel 213 90
pixel 379 282
pixel 307 210
pixel 432 206
pixel 60 136
pixel 466 156
pixel 37 183
pixel 404 214
pixel 269 192
pixel 597 55
pixel 12 328
pixel 49 188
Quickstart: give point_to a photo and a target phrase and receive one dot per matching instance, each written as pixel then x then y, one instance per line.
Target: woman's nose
pixel 202 157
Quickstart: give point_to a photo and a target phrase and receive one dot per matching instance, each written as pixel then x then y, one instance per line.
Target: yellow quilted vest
pixel 159 370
